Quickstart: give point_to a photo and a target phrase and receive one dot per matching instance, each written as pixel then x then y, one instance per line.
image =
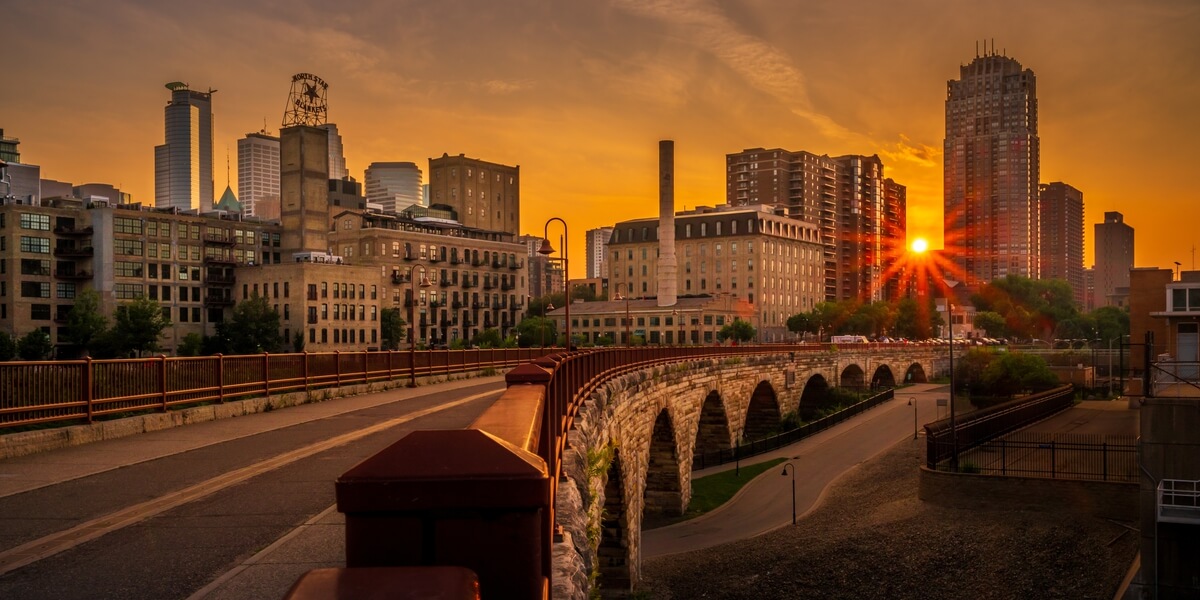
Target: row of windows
pixel 343 336
pixel 153 292
pixel 340 290
pixel 35 222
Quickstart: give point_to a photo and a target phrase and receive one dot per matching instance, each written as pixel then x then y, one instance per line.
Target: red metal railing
pixel 42 392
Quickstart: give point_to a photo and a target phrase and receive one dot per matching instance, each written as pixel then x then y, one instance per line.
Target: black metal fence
pixel 975 428
pixel 720 457
pixel 1056 455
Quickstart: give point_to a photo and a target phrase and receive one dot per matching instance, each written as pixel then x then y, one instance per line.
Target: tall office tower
pixel 395 185
pixel 597 246
pixel 483 195
pixel 1114 259
pixel 894 236
pixel 337 158
pixel 991 158
pixel 860 214
pixel 1061 214
pixel 304 188
pixel 183 167
pixel 258 175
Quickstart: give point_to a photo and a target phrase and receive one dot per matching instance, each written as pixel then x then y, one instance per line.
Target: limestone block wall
pixel 613 436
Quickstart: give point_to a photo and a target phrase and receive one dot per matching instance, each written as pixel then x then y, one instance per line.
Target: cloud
pixel 904 151
pixel 761 64
pixel 500 87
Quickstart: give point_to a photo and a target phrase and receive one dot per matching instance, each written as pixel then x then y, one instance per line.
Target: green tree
pixel 8 347
pixel 391 328
pixel 738 330
pixel 604 340
pixel 802 323
pixel 488 338
pixel 139 326
pixel 536 331
pixel 1031 308
pixel 253 328
pixel 192 345
pixel 1111 323
pixel 86 325
pixel 969 367
pixel 457 344
pixel 583 292
pixel 35 345
pixel 298 342
pixel 991 322
pixel 1015 372
pixel 538 306
pixel 915 320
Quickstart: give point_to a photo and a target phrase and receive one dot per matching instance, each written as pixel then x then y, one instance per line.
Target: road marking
pixel 52 544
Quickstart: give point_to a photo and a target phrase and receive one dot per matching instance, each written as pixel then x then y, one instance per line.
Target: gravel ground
pixel 872 538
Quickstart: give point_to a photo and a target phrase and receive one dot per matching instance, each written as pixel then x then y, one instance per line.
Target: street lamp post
pixel 785 474
pixel 546 250
pixel 953 424
pixel 412 320
pixel 912 401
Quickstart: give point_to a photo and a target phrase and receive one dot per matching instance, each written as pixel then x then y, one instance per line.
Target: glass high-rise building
pixel 394 185
pixel 183 166
pixel 258 175
pixel 991 158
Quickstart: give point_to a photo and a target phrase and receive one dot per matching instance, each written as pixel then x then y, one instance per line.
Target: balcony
pixel 408 256
pixel 515 265
pixel 219 280
pixel 409 304
pixel 1179 501
pixel 468 323
pixel 72 275
pixel 434 304
pixel 219 260
pixel 435 259
pixel 445 283
pixel 446 322
pixel 508 287
pixel 478 263
pixel 454 260
pixel 218 301
pixel 214 239
pixel 467 283
pixel 398 279
pixel 71 231
pixel 456 304
pixel 72 252
pixel 487 285
pixel 478 305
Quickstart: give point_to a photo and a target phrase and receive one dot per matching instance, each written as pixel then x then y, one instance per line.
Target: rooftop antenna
pixel 226 165
pixel 976 48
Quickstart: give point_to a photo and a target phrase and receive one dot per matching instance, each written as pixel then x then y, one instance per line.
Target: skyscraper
pixel 991 159
pixel 1114 259
pixel 860 213
pixel 337 157
pixel 183 166
pixel 597 250
pixel 395 185
pixel 258 175
pixel 1061 214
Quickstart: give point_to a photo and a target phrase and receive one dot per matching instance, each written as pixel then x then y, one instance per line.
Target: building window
pixel 35 289
pixel 66 290
pixel 39 312
pixel 36 245
pixel 129 291
pixel 35 222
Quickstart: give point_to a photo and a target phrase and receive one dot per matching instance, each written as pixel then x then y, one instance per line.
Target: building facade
pixel 482 195
pixel 1061 228
pixel 393 185
pixel 597 252
pixel 337 156
pixel 774 263
pixel 258 175
pixel 183 166
pixel 859 212
pixel 1114 260
pixel 991 159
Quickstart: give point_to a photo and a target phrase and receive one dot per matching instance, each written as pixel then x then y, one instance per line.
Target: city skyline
pixel 579 105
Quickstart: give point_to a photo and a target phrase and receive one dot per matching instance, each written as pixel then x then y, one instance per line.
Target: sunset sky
pixel 578 93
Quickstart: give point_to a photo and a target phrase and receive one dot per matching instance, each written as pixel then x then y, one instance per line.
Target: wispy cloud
pixel 760 63
pixel 906 150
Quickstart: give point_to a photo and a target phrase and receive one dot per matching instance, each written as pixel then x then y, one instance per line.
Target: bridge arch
pixel 712 431
pixel 813 395
pixel 663 496
pixel 612 552
pixel 762 412
pixel 853 377
pixel 883 378
pixel 915 374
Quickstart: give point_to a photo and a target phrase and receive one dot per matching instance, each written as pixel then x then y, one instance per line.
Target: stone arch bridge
pixel 630 422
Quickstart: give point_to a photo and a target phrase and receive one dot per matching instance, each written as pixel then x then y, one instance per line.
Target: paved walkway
pixel 765 503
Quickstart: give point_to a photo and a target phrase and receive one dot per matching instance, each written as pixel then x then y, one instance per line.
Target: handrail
pixel 80 390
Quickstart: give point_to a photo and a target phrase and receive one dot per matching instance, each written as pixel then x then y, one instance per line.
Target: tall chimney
pixel 668 269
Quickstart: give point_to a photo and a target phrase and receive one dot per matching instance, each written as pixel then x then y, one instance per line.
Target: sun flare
pixel 919 245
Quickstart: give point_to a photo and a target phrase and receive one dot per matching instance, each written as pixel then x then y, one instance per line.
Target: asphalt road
pixel 765 503
pixel 163 515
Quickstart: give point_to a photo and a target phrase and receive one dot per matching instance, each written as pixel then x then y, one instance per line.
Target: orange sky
pixel 578 93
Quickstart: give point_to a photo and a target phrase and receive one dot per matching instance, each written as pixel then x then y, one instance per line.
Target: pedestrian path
pixel 765 504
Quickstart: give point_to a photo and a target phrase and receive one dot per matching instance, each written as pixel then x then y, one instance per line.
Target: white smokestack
pixel 668 269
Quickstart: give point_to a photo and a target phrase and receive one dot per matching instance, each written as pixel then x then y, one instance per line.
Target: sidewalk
pixel 24 473
pixel 765 503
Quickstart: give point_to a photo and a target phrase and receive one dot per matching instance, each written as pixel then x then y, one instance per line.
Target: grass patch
pixel 711 491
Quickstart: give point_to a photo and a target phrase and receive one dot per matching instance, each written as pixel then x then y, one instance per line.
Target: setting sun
pixel 919 245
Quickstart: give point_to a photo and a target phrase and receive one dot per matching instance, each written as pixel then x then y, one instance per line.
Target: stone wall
pixel 618 424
